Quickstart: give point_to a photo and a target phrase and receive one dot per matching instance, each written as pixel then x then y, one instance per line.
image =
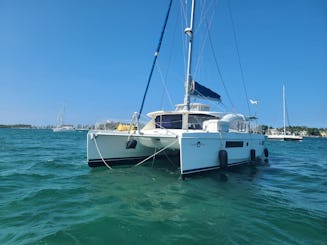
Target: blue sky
pixel 95 56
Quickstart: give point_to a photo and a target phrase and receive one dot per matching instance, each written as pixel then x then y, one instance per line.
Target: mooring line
pixel 96 145
pixel 156 153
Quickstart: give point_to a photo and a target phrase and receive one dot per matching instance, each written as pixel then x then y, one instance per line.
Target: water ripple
pixel 48 195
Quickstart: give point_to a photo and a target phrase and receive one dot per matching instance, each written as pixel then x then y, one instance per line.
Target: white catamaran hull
pixel 112 148
pixel 198 151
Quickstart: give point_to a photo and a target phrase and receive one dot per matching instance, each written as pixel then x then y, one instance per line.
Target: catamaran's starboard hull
pixel 200 151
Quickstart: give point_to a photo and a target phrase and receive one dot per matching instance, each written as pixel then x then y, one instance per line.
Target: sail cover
pixel 198 90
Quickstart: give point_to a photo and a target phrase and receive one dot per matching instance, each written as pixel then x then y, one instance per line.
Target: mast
pixel 284 110
pixel 189 32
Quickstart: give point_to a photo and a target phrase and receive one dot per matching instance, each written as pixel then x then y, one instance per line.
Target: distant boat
pixel 61 126
pixel 203 139
pixel 284 136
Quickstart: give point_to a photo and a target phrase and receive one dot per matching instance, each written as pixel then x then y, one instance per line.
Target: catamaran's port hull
pixel 198 151
pixel 112 148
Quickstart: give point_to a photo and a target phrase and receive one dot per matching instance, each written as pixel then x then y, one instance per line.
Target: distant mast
pixel 284 110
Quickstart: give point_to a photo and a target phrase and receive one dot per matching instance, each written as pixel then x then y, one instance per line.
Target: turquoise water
pixel 48 195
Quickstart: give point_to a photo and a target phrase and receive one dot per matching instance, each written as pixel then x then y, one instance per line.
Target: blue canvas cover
pixel 198 90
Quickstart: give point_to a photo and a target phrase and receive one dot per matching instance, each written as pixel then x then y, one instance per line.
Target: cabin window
pixel 195 121
pixel 174 121
pixel 239 126
pixel 169 121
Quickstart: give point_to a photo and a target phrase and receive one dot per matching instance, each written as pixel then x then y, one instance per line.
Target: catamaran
pixel 202 139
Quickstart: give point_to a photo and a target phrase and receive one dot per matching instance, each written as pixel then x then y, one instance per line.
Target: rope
pixel 287 117
pixel 154 157
pixel 184 12
pixel 218 68
pixel 155 59
pixel 203 18
pixel 172 54
pixel 156 153
pixel 238 55
pixel 164 83
pixel 171 162
pixel 96 145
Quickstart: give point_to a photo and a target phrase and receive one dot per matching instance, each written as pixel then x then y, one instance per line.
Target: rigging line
pixel 204 12
pixel 169 159
pixel 219 105
pixel 238 54
pixel 287 117
pixel 200 59
pixel 217 65
pixel 155 58
pixel 164 83
pixel 183 12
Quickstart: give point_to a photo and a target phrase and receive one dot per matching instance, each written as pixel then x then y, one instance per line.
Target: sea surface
pixel 49 195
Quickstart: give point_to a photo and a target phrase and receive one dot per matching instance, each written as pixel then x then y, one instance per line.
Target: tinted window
pixel 175 121
pixel 195 121
pixel 169 121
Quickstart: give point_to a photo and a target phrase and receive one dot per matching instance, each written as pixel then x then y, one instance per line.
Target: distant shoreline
pixel 16 126
pixel 305 131
pixel 28 126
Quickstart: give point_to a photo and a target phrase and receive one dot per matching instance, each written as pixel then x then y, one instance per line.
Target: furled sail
pixel 198 90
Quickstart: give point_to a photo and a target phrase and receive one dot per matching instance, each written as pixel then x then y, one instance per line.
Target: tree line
pixel 16 126
pixel 297 130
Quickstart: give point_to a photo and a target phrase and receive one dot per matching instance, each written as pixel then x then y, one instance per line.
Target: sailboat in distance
pixel 61 126
pixel 284 136
pixel 202 139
